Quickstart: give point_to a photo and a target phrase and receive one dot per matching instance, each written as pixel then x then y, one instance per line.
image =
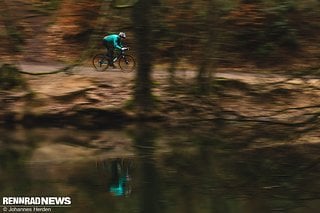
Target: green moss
pixel 11 78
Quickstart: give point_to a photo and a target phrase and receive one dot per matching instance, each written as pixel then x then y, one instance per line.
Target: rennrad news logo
pixel 34 204
pixel 42 201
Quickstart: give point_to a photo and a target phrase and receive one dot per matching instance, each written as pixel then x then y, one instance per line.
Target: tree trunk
pixel 172 68
pixel 142 29
pixel 209 49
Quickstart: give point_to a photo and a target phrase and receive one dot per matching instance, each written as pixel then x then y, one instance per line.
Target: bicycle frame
pixel 126 62
pixel 119 55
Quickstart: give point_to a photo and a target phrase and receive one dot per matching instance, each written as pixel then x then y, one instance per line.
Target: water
pixel 148 169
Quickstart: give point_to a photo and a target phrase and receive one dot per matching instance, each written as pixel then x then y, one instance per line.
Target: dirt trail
pixel 236 94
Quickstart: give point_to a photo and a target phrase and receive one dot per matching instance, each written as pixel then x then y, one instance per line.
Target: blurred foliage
pixel 10 77
pixel 47 4
pixel 237 30
pixel 15 35
pixel 260 31
pixel 264 30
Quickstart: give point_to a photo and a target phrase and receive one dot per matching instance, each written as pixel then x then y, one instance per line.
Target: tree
pixel 143 33
pixel 209 48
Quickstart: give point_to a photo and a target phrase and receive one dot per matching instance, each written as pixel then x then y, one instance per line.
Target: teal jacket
pixel 113 40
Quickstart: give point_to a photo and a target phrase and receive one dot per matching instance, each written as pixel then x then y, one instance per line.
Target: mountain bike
pixel 126 62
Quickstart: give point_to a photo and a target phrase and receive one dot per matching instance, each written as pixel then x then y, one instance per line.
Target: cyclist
pixel 112 42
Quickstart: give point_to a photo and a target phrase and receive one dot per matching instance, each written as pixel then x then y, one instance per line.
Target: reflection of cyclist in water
pixel 119 178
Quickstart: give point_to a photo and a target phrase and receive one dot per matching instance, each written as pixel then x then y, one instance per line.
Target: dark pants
pixel 110 51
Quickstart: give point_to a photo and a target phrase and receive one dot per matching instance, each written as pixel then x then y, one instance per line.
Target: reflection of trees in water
pixel 207 173
pixel 223 179
pixel 196 172
pixel 144 138
pixel 16 176
pixel 12 170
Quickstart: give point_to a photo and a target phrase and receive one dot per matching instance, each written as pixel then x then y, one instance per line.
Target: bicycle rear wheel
pixel 127 63
pixel 100 62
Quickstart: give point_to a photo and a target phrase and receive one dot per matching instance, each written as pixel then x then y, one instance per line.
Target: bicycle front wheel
pixel 127 63
pixel 100 62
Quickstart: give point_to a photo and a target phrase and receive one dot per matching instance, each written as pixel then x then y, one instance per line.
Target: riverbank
pixel 84 97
